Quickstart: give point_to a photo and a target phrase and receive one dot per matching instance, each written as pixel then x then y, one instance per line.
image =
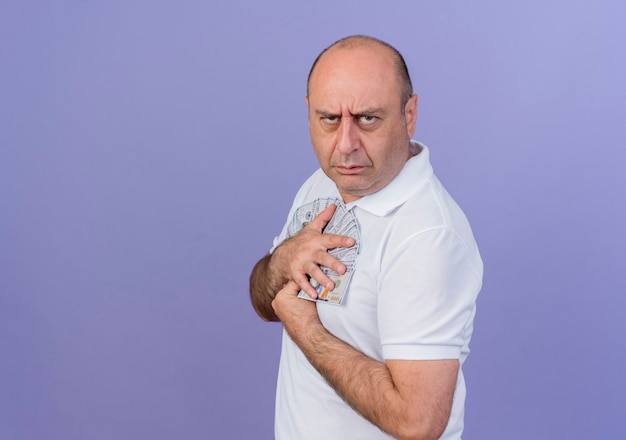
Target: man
pixel 383 361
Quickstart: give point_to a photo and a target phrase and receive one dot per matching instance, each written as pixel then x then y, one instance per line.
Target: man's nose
pixel 348 136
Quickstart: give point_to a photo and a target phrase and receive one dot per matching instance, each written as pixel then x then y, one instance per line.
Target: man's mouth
pixel 349 169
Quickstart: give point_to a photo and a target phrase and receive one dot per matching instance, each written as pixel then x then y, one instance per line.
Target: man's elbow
pixel 420 434
pixel 422 428
pixel 265 311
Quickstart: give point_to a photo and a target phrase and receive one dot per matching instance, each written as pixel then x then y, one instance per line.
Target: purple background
pixel 149 151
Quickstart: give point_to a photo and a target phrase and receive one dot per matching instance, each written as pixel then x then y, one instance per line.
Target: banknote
pixel 343 222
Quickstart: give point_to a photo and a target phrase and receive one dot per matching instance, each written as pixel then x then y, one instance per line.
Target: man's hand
pixel 302 255
pixel 297 259
pixel 296 314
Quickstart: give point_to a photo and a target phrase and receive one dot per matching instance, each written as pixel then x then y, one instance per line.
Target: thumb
pixel 322 219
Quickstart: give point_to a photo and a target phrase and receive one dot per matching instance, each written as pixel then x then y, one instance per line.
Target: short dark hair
pixel 406 86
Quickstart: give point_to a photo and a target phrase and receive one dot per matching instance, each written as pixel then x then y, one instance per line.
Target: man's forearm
pixel 364 383
pixel 368 386
pixel 264 283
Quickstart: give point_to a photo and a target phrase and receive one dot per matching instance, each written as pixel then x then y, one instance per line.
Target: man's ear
pixel 410 115
pixel 308 108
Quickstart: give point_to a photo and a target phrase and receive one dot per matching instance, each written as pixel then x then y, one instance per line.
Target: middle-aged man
pixel 387 253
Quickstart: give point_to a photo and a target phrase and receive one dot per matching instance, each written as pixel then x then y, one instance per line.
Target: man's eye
pixel 330 120
pixel 367 119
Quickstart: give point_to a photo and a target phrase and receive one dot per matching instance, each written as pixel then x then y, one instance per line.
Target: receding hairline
pixel 358 41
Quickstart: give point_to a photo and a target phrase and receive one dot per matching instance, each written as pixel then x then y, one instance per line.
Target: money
pixel 343 222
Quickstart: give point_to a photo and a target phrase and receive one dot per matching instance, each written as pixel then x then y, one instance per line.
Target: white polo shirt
pixel 412 297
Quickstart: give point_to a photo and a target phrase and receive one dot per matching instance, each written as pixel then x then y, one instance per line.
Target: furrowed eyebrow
pixel 324 114
pixel 369 111
pixel 364 112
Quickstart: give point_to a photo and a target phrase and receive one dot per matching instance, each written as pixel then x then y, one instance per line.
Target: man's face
pixel 357 130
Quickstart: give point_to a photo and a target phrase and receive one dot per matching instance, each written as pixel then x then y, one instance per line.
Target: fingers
pixel 295 313
pixel 327 260
pixel 302 269
pixel 332 241
pixel 319 222
pixel 303 283
pixel 322 279
pixel 301 256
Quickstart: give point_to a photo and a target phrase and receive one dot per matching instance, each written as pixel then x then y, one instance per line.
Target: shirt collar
pixel 411 177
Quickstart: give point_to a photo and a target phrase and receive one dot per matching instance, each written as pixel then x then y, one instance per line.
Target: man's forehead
pixel 351 66
pixel 367 52
pixel 335 91
pixel 354 86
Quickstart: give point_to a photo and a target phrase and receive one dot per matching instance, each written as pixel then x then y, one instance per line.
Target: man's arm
pixel 407 399
pixel 297 259
pixel 263 287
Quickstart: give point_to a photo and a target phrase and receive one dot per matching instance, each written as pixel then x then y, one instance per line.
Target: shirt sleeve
pixel 427 298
